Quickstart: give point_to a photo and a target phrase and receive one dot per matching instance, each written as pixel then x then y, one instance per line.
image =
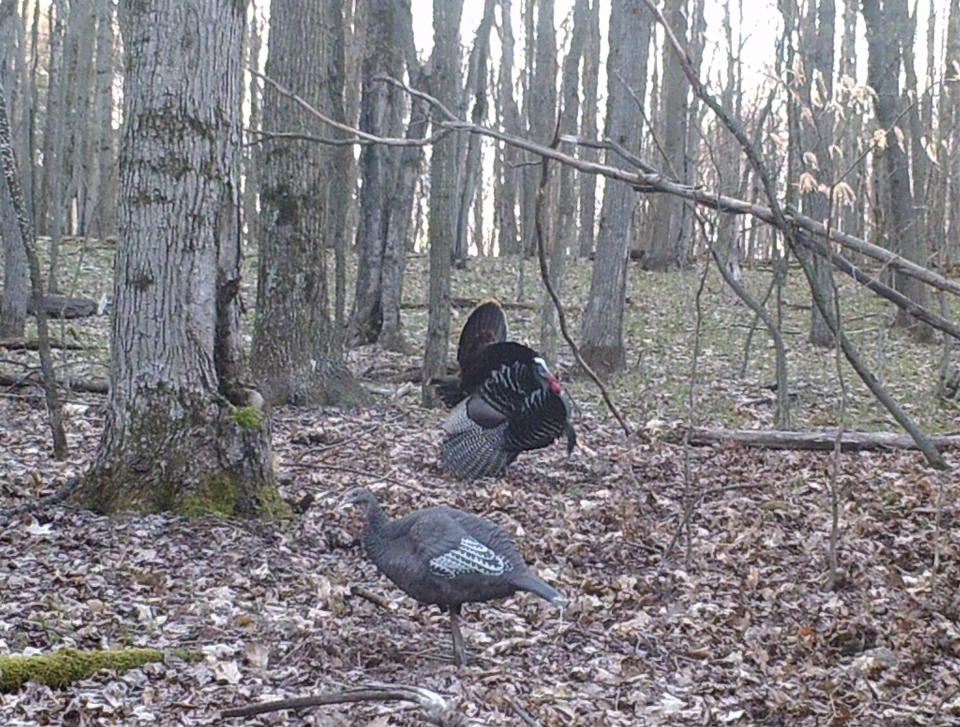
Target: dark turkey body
pixel 403 550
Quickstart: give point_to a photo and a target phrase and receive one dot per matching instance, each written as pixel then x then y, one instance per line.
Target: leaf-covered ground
pixel 698 579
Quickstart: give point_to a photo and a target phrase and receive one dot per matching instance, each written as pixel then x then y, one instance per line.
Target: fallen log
pixel 815 440
pixel 32 344
pixel 91 386
pixel 62 306
pixel 473 303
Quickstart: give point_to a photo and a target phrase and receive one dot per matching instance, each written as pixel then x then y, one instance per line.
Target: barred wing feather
pixel 469 558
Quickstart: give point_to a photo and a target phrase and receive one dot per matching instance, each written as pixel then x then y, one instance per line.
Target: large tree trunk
pixel 292 359
pixel 171 439
pixel 445 85
pixel 630 25
pixel 883 75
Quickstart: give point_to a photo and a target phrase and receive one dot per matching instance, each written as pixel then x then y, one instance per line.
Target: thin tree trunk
pixel 665 238
pixel 508 232
pixel 883 75
pixel 445 85
pixel 588 124
pixel 602 333
pixel 567 204
pixel 470 175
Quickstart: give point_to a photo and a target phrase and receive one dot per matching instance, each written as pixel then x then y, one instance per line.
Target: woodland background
pixel 757 233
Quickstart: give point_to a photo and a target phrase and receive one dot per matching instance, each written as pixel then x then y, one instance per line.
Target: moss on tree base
pixel 66 666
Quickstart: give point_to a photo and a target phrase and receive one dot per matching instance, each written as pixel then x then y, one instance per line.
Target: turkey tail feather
pixel 486 324
pixel 534 584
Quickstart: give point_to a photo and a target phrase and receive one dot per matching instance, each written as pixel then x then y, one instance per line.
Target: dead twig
pixel 561 315
pixel 58 496
pixel 368 595
pixel 436 709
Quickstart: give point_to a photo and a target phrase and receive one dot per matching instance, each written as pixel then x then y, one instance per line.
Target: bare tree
pixel 380 115
pixel 813 137
pixel 506 203
pixel 629 38
pixel 401 202
pixel 667 238
pixel 475 88
pixel 293 357
pixel 172 438
pixel 445 85
pixel 588 128
pixel 16 292
pixel 883 19
pixel 540 106
pixel 566 227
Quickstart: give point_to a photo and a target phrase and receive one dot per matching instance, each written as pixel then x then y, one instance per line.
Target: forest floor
pixel 698 577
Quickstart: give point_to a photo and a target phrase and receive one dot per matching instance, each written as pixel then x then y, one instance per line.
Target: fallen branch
pixel 436 709
pixel 62 306
pixel 472 303
pixel 59 495
pixel 32 344
pixel 92 386
pixel 809 440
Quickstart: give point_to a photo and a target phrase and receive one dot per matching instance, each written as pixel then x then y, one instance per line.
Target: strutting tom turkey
pixel 446 556
pixel 505 400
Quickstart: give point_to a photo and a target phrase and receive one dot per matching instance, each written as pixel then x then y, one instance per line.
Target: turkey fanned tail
pixel 476 453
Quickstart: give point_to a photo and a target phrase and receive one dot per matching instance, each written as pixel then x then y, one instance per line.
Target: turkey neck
pixel 373 530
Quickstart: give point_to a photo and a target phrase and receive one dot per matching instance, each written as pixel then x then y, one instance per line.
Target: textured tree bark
pixel 541 112
pixel 602 333
pixel 445 84
pixel 588 125
pixel 101 218
pixel 566 225
pixel 292 359
pixel 883 75
pixel 171 439
pixel 378 109
pixel 507 232
pixel 400 210
pixel 476 87
pixel 816 125
pixel 665 237
pixel 13 302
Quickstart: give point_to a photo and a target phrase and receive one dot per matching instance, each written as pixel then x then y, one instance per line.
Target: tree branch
pixel 820 299
pixel 436 709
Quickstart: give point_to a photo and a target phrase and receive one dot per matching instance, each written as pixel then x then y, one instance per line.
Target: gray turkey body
pixel 447 557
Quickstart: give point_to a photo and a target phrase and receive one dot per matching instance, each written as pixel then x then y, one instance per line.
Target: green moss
pixel 216 496
pixel 247 417
pixel 67 666
pixel 271 505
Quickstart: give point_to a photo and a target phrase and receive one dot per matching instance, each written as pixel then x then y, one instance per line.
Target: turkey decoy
pixel 505 400
pixel 446 556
